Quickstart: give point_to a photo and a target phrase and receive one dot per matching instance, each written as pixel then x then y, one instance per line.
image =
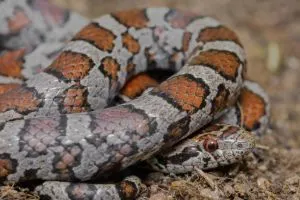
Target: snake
pixel 59 81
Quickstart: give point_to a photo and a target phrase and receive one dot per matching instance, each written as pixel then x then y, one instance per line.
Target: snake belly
pixel 42 137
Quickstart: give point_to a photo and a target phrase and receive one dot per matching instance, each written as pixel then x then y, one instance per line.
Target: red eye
pixel 210 145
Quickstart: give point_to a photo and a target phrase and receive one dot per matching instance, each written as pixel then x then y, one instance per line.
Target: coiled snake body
pixel 44 137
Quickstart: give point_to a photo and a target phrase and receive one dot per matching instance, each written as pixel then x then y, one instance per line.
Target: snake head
pixel 216 146
pixel 224 144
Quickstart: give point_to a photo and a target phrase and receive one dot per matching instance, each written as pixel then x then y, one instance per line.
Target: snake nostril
pixel 240 145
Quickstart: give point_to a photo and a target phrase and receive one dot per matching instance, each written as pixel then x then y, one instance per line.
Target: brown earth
pixel 270 32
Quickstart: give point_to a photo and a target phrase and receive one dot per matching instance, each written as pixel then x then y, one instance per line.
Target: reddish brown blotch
pixel 186 92
pixel 101 37
pixel 224 62
pixel 70 66
pixel 132 18
pixel 11 63
pixel 137 84
pixel 253 108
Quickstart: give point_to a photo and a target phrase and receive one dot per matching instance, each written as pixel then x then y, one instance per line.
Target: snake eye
pixel 210 145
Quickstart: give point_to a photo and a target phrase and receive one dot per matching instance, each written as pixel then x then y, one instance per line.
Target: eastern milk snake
pixel 43 135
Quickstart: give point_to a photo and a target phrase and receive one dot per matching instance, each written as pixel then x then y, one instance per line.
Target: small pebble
pixel 273 57
pixel 276 188
pixel 241 189
pixel 292 184
pixel 177 184
pixel 154 188
pixel 209 194
pixel 228 190
pixel 293 62
pixel 294 180
pixel 262 168
pixel 159 196
pixel 263 183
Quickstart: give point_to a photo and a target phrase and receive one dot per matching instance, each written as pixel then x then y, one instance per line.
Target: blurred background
pixel 270 32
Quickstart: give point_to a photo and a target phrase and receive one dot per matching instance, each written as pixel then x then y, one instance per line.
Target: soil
pixel 270 32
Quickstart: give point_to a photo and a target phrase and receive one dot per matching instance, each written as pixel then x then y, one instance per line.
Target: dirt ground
pixel 270 32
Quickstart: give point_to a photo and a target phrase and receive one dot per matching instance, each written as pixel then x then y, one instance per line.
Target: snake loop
pixel 58 126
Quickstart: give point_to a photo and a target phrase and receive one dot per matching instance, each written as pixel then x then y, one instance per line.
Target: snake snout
pixel 246 141
pixel 237 140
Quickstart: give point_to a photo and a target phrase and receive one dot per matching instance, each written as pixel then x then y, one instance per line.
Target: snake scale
pixel 56 122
